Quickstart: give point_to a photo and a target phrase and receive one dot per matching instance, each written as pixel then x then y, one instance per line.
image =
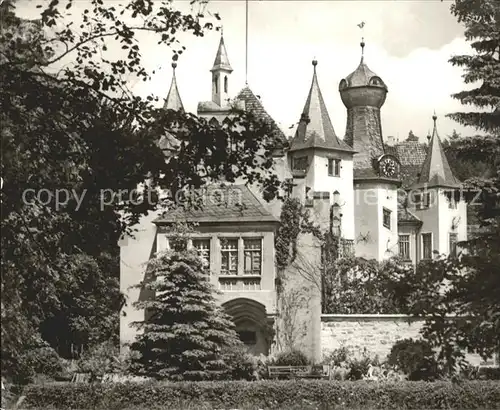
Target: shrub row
pixel 264 395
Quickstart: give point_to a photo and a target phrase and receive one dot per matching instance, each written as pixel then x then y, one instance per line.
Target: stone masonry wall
pixel 376 333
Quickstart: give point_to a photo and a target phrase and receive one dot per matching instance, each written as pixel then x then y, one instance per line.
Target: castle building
pixel 381 200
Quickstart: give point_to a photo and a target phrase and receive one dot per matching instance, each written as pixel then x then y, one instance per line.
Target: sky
pixel 408 44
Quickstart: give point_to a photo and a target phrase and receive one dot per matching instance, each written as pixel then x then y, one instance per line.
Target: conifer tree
pixel 482 68
pixel 185 333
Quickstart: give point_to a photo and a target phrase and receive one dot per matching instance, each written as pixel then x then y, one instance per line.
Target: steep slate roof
pixel 221 61
pixel 436 170
pixel 168 142
pixel 173 100
pixel 411 155
pixel 315 129
pixel 235 203
pixel 254 106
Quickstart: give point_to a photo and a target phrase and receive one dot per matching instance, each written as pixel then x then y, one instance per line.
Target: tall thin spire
pixel 315 128
pixel 221 61
pixel 173 100
pixel 436 170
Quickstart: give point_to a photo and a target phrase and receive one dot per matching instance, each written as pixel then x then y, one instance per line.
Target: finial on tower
pixel 434 117
pixel 314 63
pixel 361 26
pixel 174 65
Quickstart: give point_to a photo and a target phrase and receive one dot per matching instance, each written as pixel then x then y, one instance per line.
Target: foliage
pixel 463 168
pixel 184 330
pixel 104 358
pixel 241 365
pixel 356 366
pixel 269 395
pixel 69 122
pixel 459 299
pixel 482 68
pixel 295 219
pixel 358 286
pixel 291 358
pixel 415 358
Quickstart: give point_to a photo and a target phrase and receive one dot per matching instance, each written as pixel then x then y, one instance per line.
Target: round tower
pixel 363 93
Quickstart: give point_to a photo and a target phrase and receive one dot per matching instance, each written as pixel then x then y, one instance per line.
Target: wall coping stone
pixel 330 317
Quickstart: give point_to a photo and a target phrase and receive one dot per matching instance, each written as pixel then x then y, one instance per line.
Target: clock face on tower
pixel 388 166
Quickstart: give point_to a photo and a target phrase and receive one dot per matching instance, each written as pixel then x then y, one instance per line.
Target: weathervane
pixel 362 26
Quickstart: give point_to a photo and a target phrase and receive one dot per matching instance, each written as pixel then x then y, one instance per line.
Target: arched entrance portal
pixel 252 324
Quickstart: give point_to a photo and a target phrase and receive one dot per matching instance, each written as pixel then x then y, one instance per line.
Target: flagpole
pixel 246 44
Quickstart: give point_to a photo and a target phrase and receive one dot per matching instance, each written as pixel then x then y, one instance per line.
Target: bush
pixel 36 361
pixel 269 394
pixel 415 358
pixel 242 365
pixel 103 358
pixel 358 366
pixel 291 358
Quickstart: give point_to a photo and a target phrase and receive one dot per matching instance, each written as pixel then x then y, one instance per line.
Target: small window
pixel 422 200
pixel 427 246
pixel 452 203
pixel 225 84
pixel 253 256
pixel 215 80
pixel 300 163
pixel 404 247
pixel 229 256
pixel 387 218
pixel 333 167
pixel 453 245
pixel 248 337
pixel 203 248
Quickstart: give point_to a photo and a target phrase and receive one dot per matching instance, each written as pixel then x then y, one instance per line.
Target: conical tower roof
pixel 173 100
pixel 436 171
pixel 315 129
pixel 221 61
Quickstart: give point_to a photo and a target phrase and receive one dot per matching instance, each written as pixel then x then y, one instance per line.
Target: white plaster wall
pixel 388 238
pixel 370 198
pixel 134 255
pixel 446 219
pixel 366 221
pixel 343 184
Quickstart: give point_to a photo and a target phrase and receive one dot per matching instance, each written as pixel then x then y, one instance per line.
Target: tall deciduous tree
pixel 469 286
pixel 70 122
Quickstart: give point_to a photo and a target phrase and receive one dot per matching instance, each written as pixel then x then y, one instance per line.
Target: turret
pixel 364 93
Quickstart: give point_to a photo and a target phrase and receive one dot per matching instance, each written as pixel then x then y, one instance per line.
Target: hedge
pixel 287 394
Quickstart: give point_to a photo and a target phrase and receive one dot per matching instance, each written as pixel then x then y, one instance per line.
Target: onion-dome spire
pixel 173 100
pixel 436 170
pixel 315 128
pixel 362 76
